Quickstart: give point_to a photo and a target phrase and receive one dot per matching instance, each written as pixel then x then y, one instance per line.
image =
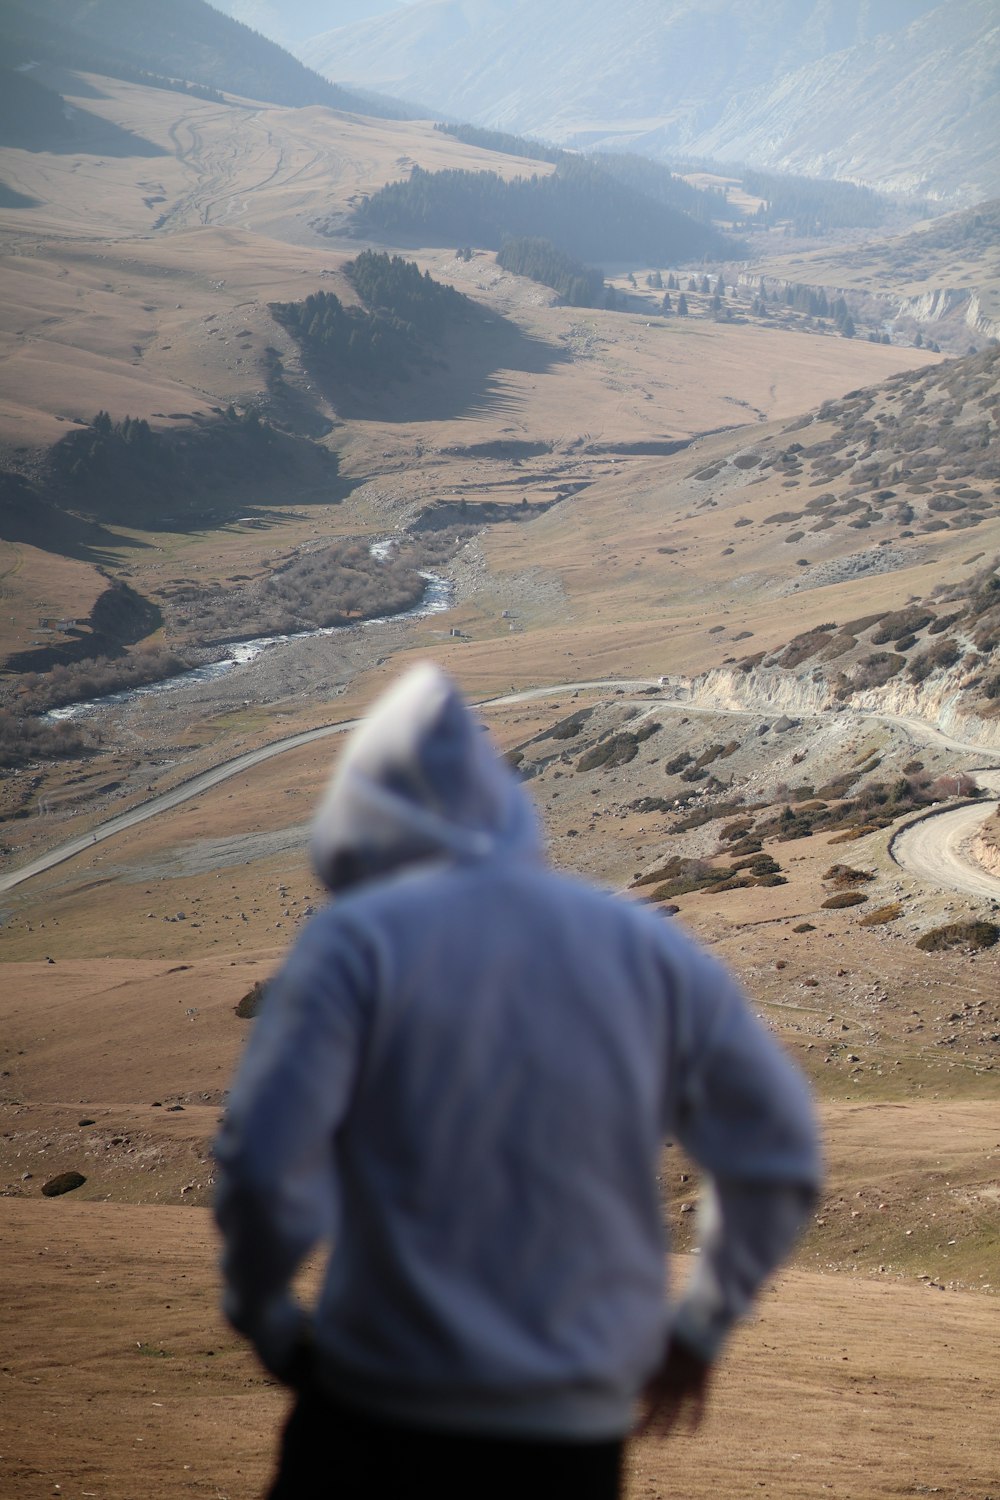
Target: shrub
pixel 876 670
pixel 881 915
pixel 804 927
pixel 845 898
pixel 944 653
pixel 617 750
pixel 844 875
pixel 251 1002
pixel 958 785
pixel 899 623
pixel 972 935
pixel 65 1182
pixel 736 830
pixel 707 813
pixel 569 728
pixel 23 740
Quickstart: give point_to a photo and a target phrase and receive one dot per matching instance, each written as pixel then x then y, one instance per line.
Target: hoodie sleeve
pixel 744 1113
pixel 276 1193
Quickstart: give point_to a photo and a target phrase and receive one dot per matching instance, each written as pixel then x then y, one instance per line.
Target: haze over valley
pixel 642 369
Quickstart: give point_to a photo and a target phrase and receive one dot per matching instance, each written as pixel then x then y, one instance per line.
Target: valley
pixel 725 589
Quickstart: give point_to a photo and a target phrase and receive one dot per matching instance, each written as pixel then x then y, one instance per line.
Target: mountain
pixel 186 39
pixel 293 23
pixel 899 95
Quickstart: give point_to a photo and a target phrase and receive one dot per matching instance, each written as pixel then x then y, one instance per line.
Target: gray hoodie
pixel 462 1079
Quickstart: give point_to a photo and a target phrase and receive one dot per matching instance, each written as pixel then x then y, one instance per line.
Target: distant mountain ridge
pixel 289 24
pixel 186 39
pixel 900 94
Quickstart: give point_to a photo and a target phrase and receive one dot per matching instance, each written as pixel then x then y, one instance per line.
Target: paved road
pixel 931 848
pixel 166 800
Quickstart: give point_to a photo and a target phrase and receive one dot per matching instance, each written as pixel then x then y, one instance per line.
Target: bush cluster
pixel 972 935
pixel 333 585
pixel 617 750
pixel 23 740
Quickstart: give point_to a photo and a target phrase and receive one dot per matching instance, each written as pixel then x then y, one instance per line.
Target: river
pixel 437 598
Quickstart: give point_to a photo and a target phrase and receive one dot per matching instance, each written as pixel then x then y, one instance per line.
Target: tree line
pixel 404 310
pixel 500 140
pixel 129 472
pixel 656 181
pixel 813 206
pixel 579 208
pixel 577 284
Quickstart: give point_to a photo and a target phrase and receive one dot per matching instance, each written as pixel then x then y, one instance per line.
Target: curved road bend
pixel 930 866
pixel 935 847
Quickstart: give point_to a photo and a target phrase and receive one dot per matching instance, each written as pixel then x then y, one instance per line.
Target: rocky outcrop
pixel 941 302
pixel 986 844
pixel 980 321
pixel 942 701
pixel 931 305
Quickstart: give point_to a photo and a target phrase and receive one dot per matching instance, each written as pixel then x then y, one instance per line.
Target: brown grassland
pixel 141 287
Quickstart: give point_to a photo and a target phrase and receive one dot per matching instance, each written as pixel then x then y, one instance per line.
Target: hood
pixel 419 780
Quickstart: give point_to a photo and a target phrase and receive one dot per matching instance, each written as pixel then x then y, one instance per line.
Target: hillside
pixel 291 23
pixel 188 39
pixel 941 280
pixel 900 97
pixel 724 581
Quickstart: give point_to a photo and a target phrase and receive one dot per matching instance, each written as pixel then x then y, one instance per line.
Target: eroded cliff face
pixel 943 701
pixel 940 302
pixel 986 844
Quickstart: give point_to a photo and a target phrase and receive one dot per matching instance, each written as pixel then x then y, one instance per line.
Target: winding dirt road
pixel 936 847
pixel 933 849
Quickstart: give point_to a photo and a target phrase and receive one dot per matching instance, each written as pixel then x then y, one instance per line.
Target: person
pixel 461 1080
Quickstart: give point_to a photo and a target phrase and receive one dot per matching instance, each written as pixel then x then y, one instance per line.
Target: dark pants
pixel 329 1452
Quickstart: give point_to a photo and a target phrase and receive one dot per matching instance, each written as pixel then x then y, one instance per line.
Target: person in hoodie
pixel 461 1081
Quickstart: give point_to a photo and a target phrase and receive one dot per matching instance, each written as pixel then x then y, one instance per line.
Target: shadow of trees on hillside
pixel 465 375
